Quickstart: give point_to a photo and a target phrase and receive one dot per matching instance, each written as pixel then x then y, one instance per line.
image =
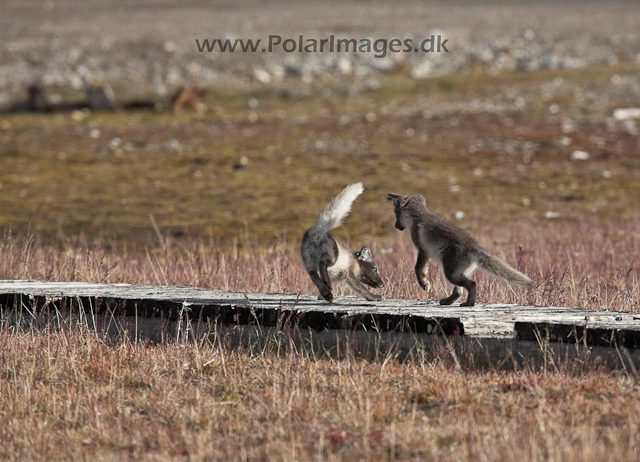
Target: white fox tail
pixel 338 208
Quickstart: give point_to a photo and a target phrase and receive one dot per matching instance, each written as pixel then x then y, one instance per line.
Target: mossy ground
pixel 484 145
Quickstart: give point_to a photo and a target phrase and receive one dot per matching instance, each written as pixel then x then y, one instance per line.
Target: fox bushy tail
pixel 502 270
pixel 338 208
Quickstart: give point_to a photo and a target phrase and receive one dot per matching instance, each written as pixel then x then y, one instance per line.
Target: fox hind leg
pixel 324 274
pixel 325 291
pixel 470 285
pixel 455 274
pixel 460 279
pixel 455 295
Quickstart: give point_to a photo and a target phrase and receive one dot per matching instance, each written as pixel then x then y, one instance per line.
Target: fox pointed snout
pixel 399 226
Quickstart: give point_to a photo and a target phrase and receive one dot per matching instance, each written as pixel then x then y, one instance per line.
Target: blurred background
pixel 115 130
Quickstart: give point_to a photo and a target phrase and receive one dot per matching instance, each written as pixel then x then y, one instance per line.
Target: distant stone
pixel 293 69
pixel 76 81
pixel 579 155
pixel 568 126
pixel 565 141
pixel 630 127
pixel 173 145
pixel 459 215
pixel 78 116
pixel 37 99
pixel 606 174
pixel 422 70
pixel 344 66
pixel 627 113
pixel 486 55
pixel 549 215
pixel 101 98
pixel 241 163
pixel 383 65
pixel 261 75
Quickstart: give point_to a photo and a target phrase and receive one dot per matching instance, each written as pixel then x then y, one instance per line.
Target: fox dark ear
pixel 364 254
pixel 393 197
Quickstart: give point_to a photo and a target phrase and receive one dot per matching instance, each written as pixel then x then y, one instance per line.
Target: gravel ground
pixel 76 42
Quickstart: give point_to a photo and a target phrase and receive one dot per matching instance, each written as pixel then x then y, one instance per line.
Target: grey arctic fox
pixel 328 261
pixel 449 246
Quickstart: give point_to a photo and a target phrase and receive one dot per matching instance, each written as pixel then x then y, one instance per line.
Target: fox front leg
pixel 421 269
pixel 362 290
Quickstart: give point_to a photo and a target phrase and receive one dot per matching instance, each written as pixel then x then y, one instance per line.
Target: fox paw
pixel 327 296
pixel 426 285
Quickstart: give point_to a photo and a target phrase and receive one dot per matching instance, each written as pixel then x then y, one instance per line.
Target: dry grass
pixel 598 270
pixel 87 397
pixel 72 395
pixel 68 395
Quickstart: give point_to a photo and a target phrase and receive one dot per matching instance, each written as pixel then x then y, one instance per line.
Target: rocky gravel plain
pixel 75 43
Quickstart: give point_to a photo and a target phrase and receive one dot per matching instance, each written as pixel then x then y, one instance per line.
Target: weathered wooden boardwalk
pixel 485 320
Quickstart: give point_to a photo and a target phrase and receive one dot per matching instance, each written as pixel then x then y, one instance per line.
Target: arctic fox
pixel 328 261
pixel 451 247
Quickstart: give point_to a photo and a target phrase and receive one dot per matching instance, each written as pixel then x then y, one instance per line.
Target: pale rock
pixel 626 113
pixel 578 155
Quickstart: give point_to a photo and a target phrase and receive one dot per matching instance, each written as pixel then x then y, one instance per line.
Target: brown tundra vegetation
pixel 148 198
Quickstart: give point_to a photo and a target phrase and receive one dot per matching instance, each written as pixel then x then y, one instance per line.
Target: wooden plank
pixel 600 334
pixel 485 320
pixel 226 307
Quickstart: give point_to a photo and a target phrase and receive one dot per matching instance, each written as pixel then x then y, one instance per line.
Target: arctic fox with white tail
pixel 449 246
pixel 328 261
